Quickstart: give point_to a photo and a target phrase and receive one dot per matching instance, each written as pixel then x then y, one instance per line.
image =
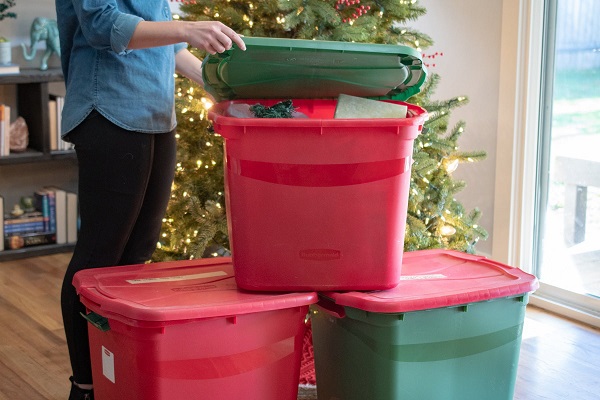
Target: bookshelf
pixel 32 104
pixel 32 92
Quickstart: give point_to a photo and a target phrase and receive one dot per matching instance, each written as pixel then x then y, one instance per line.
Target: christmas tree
pixel 435 219
pixel 196 226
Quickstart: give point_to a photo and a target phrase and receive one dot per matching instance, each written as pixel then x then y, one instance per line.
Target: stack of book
pixel 53 221
pixel 9 69
pixel 55 106
pixel 4 130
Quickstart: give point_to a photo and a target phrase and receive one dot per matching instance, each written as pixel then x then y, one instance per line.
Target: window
pixel 568 212
pixel 547 203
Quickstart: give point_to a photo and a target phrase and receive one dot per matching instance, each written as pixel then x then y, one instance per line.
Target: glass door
pixel 567 249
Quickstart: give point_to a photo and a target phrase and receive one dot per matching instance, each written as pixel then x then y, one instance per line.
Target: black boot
pixel 78 393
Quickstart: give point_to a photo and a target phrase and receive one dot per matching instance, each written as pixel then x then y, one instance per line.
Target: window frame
pixel 526 62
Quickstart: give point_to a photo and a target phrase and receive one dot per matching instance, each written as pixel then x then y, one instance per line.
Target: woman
pixel 118 59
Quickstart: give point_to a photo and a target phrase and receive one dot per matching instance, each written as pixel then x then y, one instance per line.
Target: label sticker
pixel 177 278
pixel 418 277
pixel 108 364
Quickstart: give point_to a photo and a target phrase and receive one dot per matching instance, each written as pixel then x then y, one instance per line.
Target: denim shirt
pixel 134 89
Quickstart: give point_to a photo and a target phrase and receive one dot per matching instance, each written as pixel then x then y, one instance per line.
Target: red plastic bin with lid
pixel 183 330
pixel 450 330
pixel 315 203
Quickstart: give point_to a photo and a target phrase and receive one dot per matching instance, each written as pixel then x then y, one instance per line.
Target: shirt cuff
pixel 180 46
pixel 122 31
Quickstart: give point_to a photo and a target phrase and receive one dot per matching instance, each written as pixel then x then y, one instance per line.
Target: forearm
pixel 211 36
pixel 189 66
pixel 153 34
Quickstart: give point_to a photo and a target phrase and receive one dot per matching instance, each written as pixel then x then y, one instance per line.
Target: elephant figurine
pixel 43 29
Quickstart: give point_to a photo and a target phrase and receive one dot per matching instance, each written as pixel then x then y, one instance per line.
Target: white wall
pixel 17 30
pixel 468 32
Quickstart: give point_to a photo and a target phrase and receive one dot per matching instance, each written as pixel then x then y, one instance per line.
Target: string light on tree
pixel 451 164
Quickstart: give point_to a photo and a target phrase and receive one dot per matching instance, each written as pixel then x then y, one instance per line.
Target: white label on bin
pixel 108 364
pixel 177 278
pixel 417 277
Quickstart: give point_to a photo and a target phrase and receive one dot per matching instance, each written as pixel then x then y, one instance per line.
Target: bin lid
pixel 441 278
pixel 174 291
pixel 296 68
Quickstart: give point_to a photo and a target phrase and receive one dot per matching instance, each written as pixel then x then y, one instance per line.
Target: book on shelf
pixel 1 223
pixel 4 130
pixel 17 229
pixel 58 202
pixel 14 242
pixel 72 217
pixel 26 223
pixel 51 211
pixel 42 203
pixel 9 69
pixel 52 113
pixel 55 107
pixel 2 133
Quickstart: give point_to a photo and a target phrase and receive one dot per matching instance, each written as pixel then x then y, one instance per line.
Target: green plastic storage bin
pixel 451 330
pixel 273 68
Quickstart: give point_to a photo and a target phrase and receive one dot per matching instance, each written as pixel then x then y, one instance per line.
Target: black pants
pixel 125 182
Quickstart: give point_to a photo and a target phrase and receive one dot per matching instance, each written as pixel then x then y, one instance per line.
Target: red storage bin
pixel 315 203
pixel 183 330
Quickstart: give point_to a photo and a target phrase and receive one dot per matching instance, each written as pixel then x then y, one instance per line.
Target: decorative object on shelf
pixel 43 29
pixel 5 52
pixel 19 135
pixel 17 211
pixel 5 45
pixel 27 203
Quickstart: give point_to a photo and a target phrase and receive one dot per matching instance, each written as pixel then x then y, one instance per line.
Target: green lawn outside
pixel 577 84
pixel 576 108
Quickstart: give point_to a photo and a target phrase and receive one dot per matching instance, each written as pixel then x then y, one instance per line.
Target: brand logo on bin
pixel 320 254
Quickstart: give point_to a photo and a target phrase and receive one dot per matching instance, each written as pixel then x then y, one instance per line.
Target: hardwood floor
pixel 560 359
pixel 33 355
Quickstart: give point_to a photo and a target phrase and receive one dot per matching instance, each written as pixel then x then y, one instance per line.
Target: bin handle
pixel 97 320
pixel 319 175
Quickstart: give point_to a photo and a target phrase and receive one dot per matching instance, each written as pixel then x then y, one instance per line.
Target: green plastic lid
pixel 293 68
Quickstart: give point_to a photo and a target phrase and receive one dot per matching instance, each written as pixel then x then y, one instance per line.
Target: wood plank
pixel 560 359
pixel 34 360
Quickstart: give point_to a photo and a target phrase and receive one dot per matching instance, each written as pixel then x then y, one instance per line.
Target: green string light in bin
pixel 283 109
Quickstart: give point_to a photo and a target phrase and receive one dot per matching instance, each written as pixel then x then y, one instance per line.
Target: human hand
pixel 212 36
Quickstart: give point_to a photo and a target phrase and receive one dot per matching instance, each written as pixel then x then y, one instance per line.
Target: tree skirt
pixel 307 389
pixel 307 363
